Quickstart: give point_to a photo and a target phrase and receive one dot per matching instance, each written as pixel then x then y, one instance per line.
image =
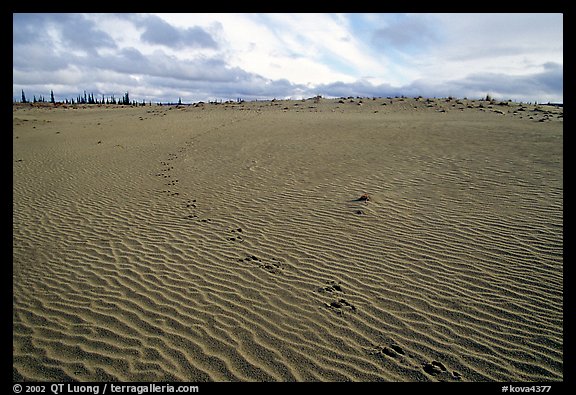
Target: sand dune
pixel 227 242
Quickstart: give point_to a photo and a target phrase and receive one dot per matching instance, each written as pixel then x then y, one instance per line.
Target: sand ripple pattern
pixel 237 251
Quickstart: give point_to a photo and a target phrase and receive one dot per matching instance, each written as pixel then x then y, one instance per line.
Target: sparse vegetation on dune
pixel 125 100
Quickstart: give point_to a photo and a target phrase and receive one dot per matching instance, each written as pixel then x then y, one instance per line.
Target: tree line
pixel 89 98
pixel 84 99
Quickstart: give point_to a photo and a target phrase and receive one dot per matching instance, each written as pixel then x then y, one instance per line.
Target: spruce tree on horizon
pixel 24 97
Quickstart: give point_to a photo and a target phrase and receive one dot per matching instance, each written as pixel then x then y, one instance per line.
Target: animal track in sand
pixel 435 368
pixel 332 286
pixel 340 306
pixel 272 265
pixel 394 351
pixel 189 205
pixel 360 205
pixel 237 236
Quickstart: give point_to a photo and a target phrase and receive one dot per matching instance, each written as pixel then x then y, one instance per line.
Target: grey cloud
pixel 32 48
pixel 82 33
pixel 75 31
pixel 202 78
pixel 28 28
pixel 37 57
pixel 248 87
pixel 543 86
pixel 157 31
pixel 258 87
pixel 548 83
pixel 358 88
pixel 127 60
pixel 159 64
pixel 552 77
pixel 404 33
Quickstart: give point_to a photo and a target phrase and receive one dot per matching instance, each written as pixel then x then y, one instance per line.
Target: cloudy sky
pixel 201 57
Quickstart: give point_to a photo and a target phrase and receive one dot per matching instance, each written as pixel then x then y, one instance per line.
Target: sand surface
pixel 226 242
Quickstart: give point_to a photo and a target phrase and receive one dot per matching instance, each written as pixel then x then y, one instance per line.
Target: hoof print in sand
pixel 437 369
pixel 271 266
pixel 434 368
pixel 190 204
pixel 251 258
pixel 340 306
pixel 394 351
pixel 332 286
pixel 237 236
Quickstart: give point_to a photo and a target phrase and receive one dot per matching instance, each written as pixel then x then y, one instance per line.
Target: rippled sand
pixel 228 242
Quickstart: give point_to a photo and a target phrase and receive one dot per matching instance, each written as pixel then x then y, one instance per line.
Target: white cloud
pixel 270 46
pixel 514 44
pixel 280 55
pixel 331 51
